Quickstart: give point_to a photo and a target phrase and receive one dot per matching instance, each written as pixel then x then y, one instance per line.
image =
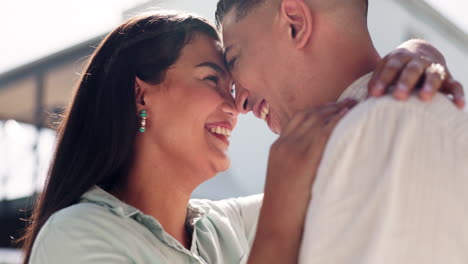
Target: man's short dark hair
pixel 243 8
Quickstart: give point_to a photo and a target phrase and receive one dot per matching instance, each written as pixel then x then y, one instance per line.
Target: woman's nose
pixel 230 108
pixel 229 105
pixel 242 100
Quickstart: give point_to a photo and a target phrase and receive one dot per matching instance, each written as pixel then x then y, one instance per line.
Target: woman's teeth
pixel 265 111
pixel 221 131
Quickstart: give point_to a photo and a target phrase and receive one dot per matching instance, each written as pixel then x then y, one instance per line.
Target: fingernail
pixel 461 101
pixel 427 88
pixel 379 86
pixel 402 87
pixel 377 89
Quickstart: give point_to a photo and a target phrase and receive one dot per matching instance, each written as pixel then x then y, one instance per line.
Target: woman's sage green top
pixel 103 229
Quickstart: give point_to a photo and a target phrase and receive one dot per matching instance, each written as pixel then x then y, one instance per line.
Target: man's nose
pixel 242 100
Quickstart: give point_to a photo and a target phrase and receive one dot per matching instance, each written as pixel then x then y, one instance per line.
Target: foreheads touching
pixel 267 40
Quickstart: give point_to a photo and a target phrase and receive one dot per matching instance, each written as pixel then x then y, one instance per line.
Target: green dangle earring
pixel 143 116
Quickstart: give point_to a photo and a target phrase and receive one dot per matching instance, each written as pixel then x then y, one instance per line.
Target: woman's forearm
pixel 292 166
pixel 279 232
pixel 274 249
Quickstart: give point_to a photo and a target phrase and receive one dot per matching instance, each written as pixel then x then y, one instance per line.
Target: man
pixel 391 184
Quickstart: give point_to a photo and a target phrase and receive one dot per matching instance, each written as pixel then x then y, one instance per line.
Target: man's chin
pixel 274 129
pixel 274 126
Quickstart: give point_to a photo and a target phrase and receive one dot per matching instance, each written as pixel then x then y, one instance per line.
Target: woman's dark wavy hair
pixel 96 137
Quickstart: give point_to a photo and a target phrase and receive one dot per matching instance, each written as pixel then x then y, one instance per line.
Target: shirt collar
pixel 357 90
pixel 196 212
pixel 97 195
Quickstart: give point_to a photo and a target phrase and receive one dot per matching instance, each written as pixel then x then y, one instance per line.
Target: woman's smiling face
pixel 192 113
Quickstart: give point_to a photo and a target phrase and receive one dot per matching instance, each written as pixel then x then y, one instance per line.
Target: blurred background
pixel 44 45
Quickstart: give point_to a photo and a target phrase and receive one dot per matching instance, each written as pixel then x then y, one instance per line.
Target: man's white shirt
pixel 392 186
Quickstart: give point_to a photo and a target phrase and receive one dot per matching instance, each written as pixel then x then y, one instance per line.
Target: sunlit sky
pixel 455 10
pixel 31 29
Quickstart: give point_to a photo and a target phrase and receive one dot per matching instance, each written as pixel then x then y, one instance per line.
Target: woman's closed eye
pixel 212 78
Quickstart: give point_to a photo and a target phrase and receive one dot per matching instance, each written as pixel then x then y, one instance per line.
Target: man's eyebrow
pixel 214 66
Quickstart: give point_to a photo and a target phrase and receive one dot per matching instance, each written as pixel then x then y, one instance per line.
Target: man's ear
pixel 140 90
pixel 297 14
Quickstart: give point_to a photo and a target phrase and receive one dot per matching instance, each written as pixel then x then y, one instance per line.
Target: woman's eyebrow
pixel 214 66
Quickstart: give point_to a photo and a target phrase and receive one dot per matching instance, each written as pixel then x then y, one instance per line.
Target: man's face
pixel 257 63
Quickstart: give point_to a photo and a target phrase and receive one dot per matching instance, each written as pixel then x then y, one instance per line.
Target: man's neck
pixel 343 61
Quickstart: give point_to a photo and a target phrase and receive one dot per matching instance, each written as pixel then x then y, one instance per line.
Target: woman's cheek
pixel 211 97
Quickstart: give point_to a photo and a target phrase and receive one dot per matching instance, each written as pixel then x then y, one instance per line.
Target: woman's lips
pixel 221 130
pixel 221 137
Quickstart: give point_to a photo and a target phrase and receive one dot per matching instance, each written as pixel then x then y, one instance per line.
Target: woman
pixel 149 122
